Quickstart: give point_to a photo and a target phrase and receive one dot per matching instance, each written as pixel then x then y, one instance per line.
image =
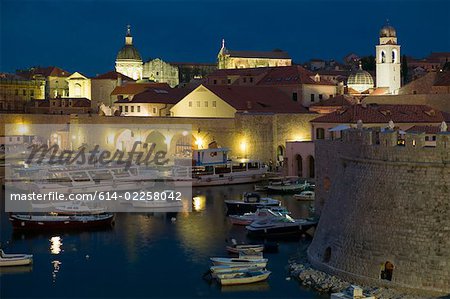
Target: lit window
pixel 214 104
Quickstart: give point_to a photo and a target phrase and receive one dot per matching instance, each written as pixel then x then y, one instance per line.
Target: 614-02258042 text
pixel 167 195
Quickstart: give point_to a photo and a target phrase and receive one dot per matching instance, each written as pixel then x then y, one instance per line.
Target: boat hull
pixel 226 179
pixel 280 230
pixel 64 223
pixel 244 280
pixel 11 262
pixel 240 208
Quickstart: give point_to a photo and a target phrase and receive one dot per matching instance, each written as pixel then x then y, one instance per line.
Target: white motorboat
pixel 231 268
pixel 260 262
pixel 76 208
pixel 214 167
pixel 305 195
pixel 279 225
pixel 250 203
pixel 9 260
pixel 243 277
pixel 260 214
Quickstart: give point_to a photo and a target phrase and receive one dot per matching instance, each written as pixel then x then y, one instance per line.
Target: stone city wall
pixel 380 202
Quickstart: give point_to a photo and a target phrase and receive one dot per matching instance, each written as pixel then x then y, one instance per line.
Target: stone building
pixel 193 71
pixel 60 106
pixel 157 70
pixel 56 84
pixel 129 61
pixel 103 85
pixel 229 59
pixel 385 213
pixel 79 86
pixel 16 92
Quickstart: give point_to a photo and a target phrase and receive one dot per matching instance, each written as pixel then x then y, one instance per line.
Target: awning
pixel 339 128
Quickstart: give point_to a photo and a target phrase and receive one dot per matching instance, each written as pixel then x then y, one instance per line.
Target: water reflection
pixel 56 267
pixel 199 203
pixel 55 245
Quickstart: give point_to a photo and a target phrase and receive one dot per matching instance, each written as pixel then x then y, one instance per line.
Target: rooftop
pixel 135 88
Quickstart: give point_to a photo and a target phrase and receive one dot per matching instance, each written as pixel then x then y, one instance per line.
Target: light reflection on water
pixel 147 255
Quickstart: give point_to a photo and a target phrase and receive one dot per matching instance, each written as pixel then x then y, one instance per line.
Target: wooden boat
pixel 250 203
pixel 231 268
pixel 237 248
pixel 260 214
pixel 244 278
pixel 260 262
pixel 305 195
pixel 52 221
pixel 289 186
pixel 9 260
pixel 280 225
pixel 226 272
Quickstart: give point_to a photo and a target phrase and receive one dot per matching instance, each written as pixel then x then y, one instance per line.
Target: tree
pixel 368 63
pixel 404 70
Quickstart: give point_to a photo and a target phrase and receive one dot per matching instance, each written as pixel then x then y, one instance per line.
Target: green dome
pixel 129 52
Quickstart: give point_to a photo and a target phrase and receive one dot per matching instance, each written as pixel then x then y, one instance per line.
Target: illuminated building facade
pixel 129 61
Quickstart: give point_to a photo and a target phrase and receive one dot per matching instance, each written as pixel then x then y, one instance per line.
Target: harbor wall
pixel 384 206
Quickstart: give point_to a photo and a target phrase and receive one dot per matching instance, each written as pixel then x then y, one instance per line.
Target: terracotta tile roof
pixel 157 95
pixel 442 79
pixel 239 72
pixel 276 54
pixel 287 75
pixel 376 113
pixel 52 71
pixel 425 129
pixel 135 88
pixel 380 91
pixel 340 100
pixel 113 76
pixel 257 99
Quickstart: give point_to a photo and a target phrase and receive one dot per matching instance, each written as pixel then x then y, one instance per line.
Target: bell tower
pixel 388 60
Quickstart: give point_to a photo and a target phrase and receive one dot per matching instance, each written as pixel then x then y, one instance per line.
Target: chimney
pixel 119 80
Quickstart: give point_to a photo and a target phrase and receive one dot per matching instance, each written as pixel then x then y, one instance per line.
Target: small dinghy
pixel 8 260
pixel 243 278
pixel 305 195
pixel 233 268
pixel 246 249
pixel 260 262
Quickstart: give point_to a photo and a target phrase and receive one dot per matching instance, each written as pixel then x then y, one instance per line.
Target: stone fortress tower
pixel 129 61
pixel 388 60
pixel 385 210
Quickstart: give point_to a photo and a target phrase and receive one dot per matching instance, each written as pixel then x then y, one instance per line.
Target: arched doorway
pixel 280 155
pixel 125 140
pixel 299 165
pixel 311 167
pixel 182 145
pixel 387 271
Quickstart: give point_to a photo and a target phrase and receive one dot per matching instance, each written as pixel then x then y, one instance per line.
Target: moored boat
pixel 291 185
pixel 234 268
pixel 260 214
pixel 237 248
pixel 250 203
pixel 280 225
pixel 244 277
pixel 259 262
pixel 305 195
pixel 51 221
pixel 9 260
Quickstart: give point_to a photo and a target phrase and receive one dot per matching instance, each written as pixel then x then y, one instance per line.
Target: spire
pixel 223 43
pixel 128 37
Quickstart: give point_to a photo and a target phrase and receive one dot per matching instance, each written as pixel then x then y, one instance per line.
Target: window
pixel 24 92
pixel 154 110
pixel 294 97
pixel 126 108
pixel 157 73
pixel 198 103
pixel 32 93
pixel 433 138
pixel 214 104
pixel 427 138
pixel 190 104
pixel 138 108
pixel 17 92
pixel 320 96
pixel 132 108
pixel 245 80
pixel 320 133
pixel 312 97
pixel 331 96
pixel 206 103
pixel 383 57
pixel 229 81
pixel 251 79
pixel 215 82
pixel 120 108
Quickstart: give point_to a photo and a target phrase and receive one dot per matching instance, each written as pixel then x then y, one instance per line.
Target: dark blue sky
pixel 85 35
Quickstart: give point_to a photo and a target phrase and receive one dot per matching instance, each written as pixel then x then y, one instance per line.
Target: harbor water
pixel 153 255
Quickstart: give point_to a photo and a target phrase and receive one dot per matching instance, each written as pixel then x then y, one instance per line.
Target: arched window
pixel 383 57
pixel 320 133
pixel 394 56
pixel 77 91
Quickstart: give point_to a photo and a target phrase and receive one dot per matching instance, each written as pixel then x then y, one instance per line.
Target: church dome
pixel 388 31
pixel 129 52
pixel 360 80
